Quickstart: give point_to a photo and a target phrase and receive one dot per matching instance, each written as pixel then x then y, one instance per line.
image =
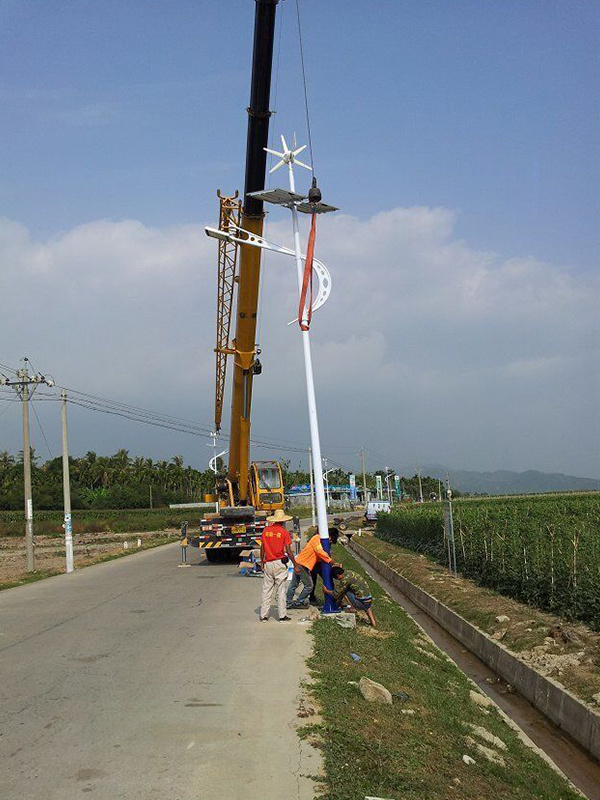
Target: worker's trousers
pixel 275 574
pixel 305 579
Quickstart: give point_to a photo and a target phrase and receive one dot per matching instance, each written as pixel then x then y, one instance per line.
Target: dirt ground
pixel 569 652
pixel 87 549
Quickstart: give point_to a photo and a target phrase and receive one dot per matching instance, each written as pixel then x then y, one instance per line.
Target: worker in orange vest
pixel 305 562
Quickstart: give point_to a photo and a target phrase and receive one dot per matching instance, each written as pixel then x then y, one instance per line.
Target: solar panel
pixel 280 197
pixel 315 208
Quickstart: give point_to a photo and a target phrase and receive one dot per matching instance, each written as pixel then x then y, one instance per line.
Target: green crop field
pixel 49 523
pixel 542 550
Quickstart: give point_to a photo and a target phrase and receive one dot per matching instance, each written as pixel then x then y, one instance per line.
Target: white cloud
pixel 428 348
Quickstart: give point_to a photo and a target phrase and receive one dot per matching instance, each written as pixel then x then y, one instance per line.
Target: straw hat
pixel 279 516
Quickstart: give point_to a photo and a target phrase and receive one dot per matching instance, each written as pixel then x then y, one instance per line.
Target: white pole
pixel 214 438
pixel 312 489
pixel 66 487
pixel 326 476
pixel 310 385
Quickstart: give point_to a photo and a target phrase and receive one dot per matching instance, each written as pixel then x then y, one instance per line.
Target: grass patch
pixel 31 577
pixel 373 749
pixel 527 628
pixel 49 523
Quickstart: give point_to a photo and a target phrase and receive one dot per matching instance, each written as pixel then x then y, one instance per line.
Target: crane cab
pixel 266 485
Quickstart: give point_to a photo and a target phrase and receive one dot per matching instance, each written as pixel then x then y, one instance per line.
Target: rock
pixel 343 619
pixel 596 698
pixel 546 663
pixel 371 797
pixel 481 699
pixel 490 754
pixel 502 618
pixel 487 736
pixel 499 634
pixel 408 711
pixel 564 635
pixel 468 760
pixel 374 692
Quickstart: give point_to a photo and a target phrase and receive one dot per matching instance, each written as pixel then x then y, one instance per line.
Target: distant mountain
pixel 506 482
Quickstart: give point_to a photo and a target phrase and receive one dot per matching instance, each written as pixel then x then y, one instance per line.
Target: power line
pixel 170 424
pixel 7 368
pixel 41 429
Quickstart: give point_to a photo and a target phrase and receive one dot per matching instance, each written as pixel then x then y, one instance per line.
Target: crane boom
pixel 244 343
pixel 229 222
pixel 250 490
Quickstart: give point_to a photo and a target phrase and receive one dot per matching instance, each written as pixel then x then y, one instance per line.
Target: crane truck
pixel 249 491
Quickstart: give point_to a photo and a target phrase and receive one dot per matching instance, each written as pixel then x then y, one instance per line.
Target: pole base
pixel 330 606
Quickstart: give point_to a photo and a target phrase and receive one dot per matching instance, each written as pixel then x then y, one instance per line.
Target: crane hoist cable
pixel 310 147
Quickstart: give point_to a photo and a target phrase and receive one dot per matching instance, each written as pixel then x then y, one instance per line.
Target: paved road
pixel 137 679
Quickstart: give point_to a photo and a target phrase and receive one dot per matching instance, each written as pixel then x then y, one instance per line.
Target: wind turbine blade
pixel 300 149
pixel 286 149
pixel 273 152
pixel 301 164
pixel 279 164
pixel 295 144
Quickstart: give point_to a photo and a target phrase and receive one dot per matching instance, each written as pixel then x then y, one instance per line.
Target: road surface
pixel 137 679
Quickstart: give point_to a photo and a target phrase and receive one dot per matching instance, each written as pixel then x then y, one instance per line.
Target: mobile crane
pixel 249 490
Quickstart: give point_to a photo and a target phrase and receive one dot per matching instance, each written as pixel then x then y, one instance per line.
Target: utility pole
pixel 21 385
pixel 66 486
pixel 420 486
pixel 362 455
pixel 150 497
pixel 312 489
pixel 27 482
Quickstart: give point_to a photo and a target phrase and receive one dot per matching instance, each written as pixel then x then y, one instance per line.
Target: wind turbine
pixel 288 156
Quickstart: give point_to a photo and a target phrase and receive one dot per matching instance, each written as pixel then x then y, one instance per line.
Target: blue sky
pixel 136 111
pixel 116 109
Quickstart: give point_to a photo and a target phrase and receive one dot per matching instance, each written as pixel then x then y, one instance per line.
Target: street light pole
pixel 362 455
pixel 288 157
pixel 66 486
pixel 312 489
pixel 315 441
pixel 387 483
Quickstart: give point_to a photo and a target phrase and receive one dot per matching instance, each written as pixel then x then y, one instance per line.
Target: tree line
pixel 124 481
pixel 117 481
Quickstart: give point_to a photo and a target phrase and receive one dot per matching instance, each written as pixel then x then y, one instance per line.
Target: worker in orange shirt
pixel 305 562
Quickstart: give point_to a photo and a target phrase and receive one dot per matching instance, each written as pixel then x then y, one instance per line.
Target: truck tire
pixel 213 555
